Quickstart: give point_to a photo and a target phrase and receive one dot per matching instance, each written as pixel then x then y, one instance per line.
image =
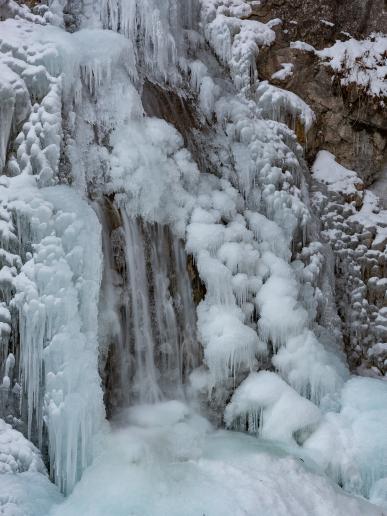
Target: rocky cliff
pixel 351 123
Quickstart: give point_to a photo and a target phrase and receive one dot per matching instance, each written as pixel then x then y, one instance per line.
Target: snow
pixel 337 178
pixel 359 62
pixel 362 62
pixel 372 216
pixel 285 72
pixel 327 23
pixel 301 45
pixel 346 182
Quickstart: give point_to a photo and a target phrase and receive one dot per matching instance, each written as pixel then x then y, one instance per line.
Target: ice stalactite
pixel 57 293
pixel 51 281
pixel 155 30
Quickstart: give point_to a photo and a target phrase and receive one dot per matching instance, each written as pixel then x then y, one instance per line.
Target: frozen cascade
pixel 145 379
pixel 96 299
pixel 153 341
pixel 57 292
pixel 155 30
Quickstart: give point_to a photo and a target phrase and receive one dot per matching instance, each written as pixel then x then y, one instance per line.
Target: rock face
pixel 303 17
pixel 352 125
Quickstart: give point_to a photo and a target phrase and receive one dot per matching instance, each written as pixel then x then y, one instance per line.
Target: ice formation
pixel 25 487
pixel 102 207
pixel 267 406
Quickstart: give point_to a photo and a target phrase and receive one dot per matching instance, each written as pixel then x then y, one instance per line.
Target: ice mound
pixel 163 414
pixel 17 454
pixel 24 486
pixel 264 404
pixel 27 494
pixel 351 445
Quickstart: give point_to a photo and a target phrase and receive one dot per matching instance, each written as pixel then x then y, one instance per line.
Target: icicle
pixel 156 26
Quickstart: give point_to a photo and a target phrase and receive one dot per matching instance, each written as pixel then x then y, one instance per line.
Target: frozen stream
pixel 169 461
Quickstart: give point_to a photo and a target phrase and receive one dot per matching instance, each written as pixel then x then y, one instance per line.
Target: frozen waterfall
pixel 152 346
pixel 164 290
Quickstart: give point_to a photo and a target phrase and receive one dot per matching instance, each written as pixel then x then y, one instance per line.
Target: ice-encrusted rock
pixel 354 223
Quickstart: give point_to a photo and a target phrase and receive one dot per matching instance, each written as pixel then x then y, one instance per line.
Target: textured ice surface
pixel 236 42
pixel 27 494
pixel 351 445
pixel 24 486
pixel 56 293
pixel 170 461
pixel 267 406
pixel 278 104
pixel 158 25
pixel 17 454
